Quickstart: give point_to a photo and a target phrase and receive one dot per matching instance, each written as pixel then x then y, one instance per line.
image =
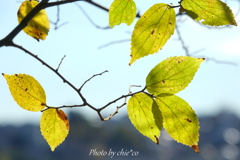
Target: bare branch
pixel 113 42
pixel 185 48
pixel 124 103
pixel 57 26
pixel 116 112
pixel 90 20
pixel 132 86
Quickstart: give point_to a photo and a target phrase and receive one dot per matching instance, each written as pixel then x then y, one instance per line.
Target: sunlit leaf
pixel 39 26
pixel 152 31
pixel 179 120
pixel 145 115
pixel 54 127
pixel 122 11
pixel 209 12
pixel 26 91
pixel 172 75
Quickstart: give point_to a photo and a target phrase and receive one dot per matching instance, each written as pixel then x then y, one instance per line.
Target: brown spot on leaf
pixel 153 31
pixel 26 89
pixel 195 148
pixel 151 127
pixel 163 81
pixel 189 120
pixel 202 58
pixel 157 140
pixel 63 117
pixel 43 104
pixel 170 23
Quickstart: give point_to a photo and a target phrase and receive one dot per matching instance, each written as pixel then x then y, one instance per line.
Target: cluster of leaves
pixel 151 110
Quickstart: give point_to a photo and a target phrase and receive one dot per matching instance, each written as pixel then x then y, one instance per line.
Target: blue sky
pixel 215 86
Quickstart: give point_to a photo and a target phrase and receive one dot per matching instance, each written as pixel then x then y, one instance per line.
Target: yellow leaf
pixel 54 127
pixel 179 120
pixel 145 115
pixel 39 26
pixel 26 91
pixel 152 31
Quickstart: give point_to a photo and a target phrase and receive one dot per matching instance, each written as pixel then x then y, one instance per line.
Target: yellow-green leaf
pixel 26 91
pixel 209 12
pixel 172 75
pixel 145 115
pixel 152 31
pixel 39 26
pixel 179 120
pixel 54 126
pixel 122 11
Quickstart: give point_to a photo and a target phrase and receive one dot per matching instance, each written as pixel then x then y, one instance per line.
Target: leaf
pixel 179 120
pixel 39 26
pixel 122 11
pixel 152 31
pixel 172 75
pixel 144 114
pixel 54 126
pixel 209 12
pixel 26 91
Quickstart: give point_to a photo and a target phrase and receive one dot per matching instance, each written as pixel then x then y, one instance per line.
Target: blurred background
pixel 213 93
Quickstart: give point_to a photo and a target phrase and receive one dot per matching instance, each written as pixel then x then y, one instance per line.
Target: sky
pixel 214 88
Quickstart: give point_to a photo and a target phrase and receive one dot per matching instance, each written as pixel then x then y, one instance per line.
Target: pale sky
pixel 215 86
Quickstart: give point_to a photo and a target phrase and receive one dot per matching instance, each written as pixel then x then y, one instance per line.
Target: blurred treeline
pixel 219 140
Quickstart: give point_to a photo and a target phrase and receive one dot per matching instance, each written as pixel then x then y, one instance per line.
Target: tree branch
pixel 85 103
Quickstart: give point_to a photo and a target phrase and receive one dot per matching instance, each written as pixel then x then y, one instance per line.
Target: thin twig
pixel 218 61
pixel 116 112
pixel 90 79
pixel 185 48
pixel 90 20
pixel 113 42
pixel 124 103
pixel 57 26
pixel 60 63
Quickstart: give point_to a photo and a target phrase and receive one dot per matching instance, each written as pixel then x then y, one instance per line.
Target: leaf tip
pixel 157 139
pixel 195 148
pixel 3 74
pixel 52 149
pixel 202 59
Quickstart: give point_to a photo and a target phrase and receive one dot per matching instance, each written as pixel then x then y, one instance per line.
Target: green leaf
pixel 122 11
pixel 144 114
pixel 209 12
pixel 179 120
pixel 152 31
pixel 39 26
pixel 172 75
pixel 26 91
pixel 54 126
